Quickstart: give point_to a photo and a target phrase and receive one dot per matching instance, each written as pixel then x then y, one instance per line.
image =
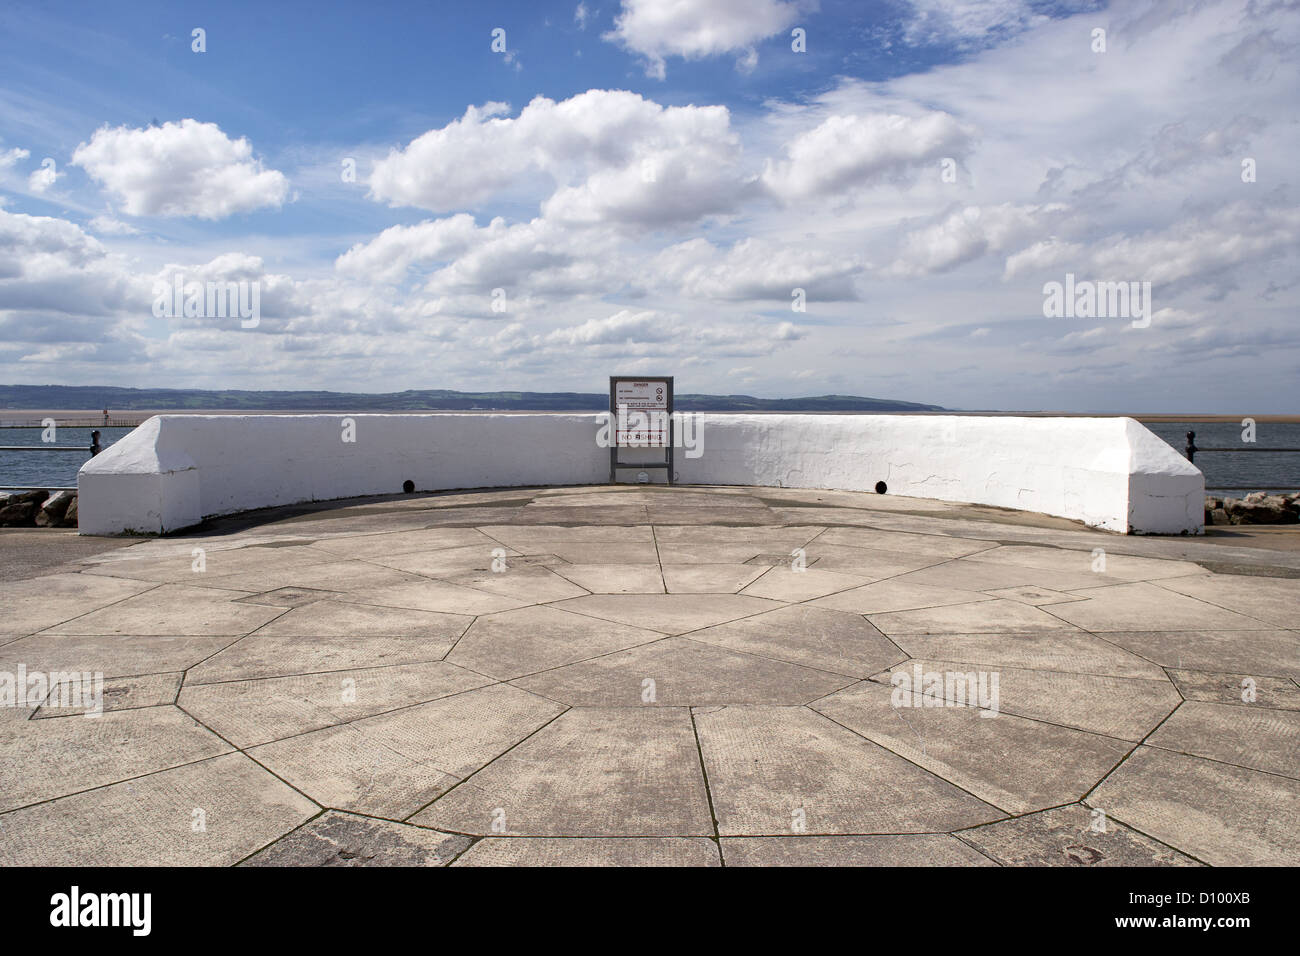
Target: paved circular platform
pixel 658 676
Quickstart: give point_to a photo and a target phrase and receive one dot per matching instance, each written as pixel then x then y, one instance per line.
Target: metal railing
pixel 1191 449
pixel 99 421
pixel 94 448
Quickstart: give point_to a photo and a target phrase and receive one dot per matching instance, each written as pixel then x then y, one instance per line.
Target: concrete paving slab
pixel 972 574
pixel 346 839
pixel 669 613
pixel 591 772
pixel 251 712
pixel 1070 836
pixel 1125 566
pixel 447 562
pixel 1033 595
pixel 119 693
pixel 680 672
pixel 872 563
pixel 911 849
pixel 835 641
pixel 183 567
pixel 785 583
pixel 406 542
pixel 1116 608
pixel 782 538
pixel 211 813
pixel 1009 762
pixel 998 616
pixel 928 544
pixel 591 851
pixel 1245 735
pixel 1256 653
pixel 529 538
pixel 1215 812
pixel 353 619
pixel 287 597
pixel 113 655
pixel 1277 692
pixel 1123 707
pixel 683 554
pixel 708 578
pixel 597 552
pixel 44 759
pixel 41 602
pixel 886 596
pixel 439 596
pixel 174 609
pixel 1274 601
pixel 528 640
pixel 393 764
pixel 1071 651
pixel 774 769
pixel 535 585
pixel 355 577
pixel 614 578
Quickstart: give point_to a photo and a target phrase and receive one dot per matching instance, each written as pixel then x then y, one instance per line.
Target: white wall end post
pixel 138 486
pixel 1166 492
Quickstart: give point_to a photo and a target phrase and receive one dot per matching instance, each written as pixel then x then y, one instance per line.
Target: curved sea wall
pixel 175 470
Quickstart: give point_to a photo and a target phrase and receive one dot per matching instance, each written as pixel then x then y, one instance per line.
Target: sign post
pixel 641 410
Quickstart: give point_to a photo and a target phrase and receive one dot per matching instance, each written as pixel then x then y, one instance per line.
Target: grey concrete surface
pixel 645 676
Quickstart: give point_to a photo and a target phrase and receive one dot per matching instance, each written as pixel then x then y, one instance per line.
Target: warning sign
pixel 652 394
pixel 641 410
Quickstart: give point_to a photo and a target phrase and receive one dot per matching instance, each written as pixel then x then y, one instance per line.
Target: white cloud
pixel 615 156
pixel 1043 254
pixel 693 29
pixel 847 151
pixel 390 255
pixel 968 233
pixel 11 157
pixel 180 169
pixel 107 225
pixel 43 178
pixel 755 269
pixel 968 23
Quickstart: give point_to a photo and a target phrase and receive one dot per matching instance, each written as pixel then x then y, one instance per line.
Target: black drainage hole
pixel 881 487
pixel 408 486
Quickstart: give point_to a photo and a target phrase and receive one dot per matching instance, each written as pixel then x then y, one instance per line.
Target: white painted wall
pixel 175 470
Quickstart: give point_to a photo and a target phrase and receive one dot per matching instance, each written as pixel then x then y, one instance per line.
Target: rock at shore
pixel 19 510
pixel 1256 508
pixel 54 508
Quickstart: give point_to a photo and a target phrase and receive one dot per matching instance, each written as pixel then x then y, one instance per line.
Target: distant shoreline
pixel 26 415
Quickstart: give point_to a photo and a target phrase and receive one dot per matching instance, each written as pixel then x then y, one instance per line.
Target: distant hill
pixel 189 399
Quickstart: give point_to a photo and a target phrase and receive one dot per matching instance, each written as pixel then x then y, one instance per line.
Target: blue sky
pixel 631 186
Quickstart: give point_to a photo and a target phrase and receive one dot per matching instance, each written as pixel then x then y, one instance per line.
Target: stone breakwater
pixel 1256 508
pixel 38 509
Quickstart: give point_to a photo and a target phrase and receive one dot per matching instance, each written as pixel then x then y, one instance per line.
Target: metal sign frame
pixel 614 463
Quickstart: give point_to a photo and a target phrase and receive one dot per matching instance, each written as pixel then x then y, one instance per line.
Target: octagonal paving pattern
pixel 656 676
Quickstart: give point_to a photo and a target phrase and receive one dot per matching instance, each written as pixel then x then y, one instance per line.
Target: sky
pixel 767 197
